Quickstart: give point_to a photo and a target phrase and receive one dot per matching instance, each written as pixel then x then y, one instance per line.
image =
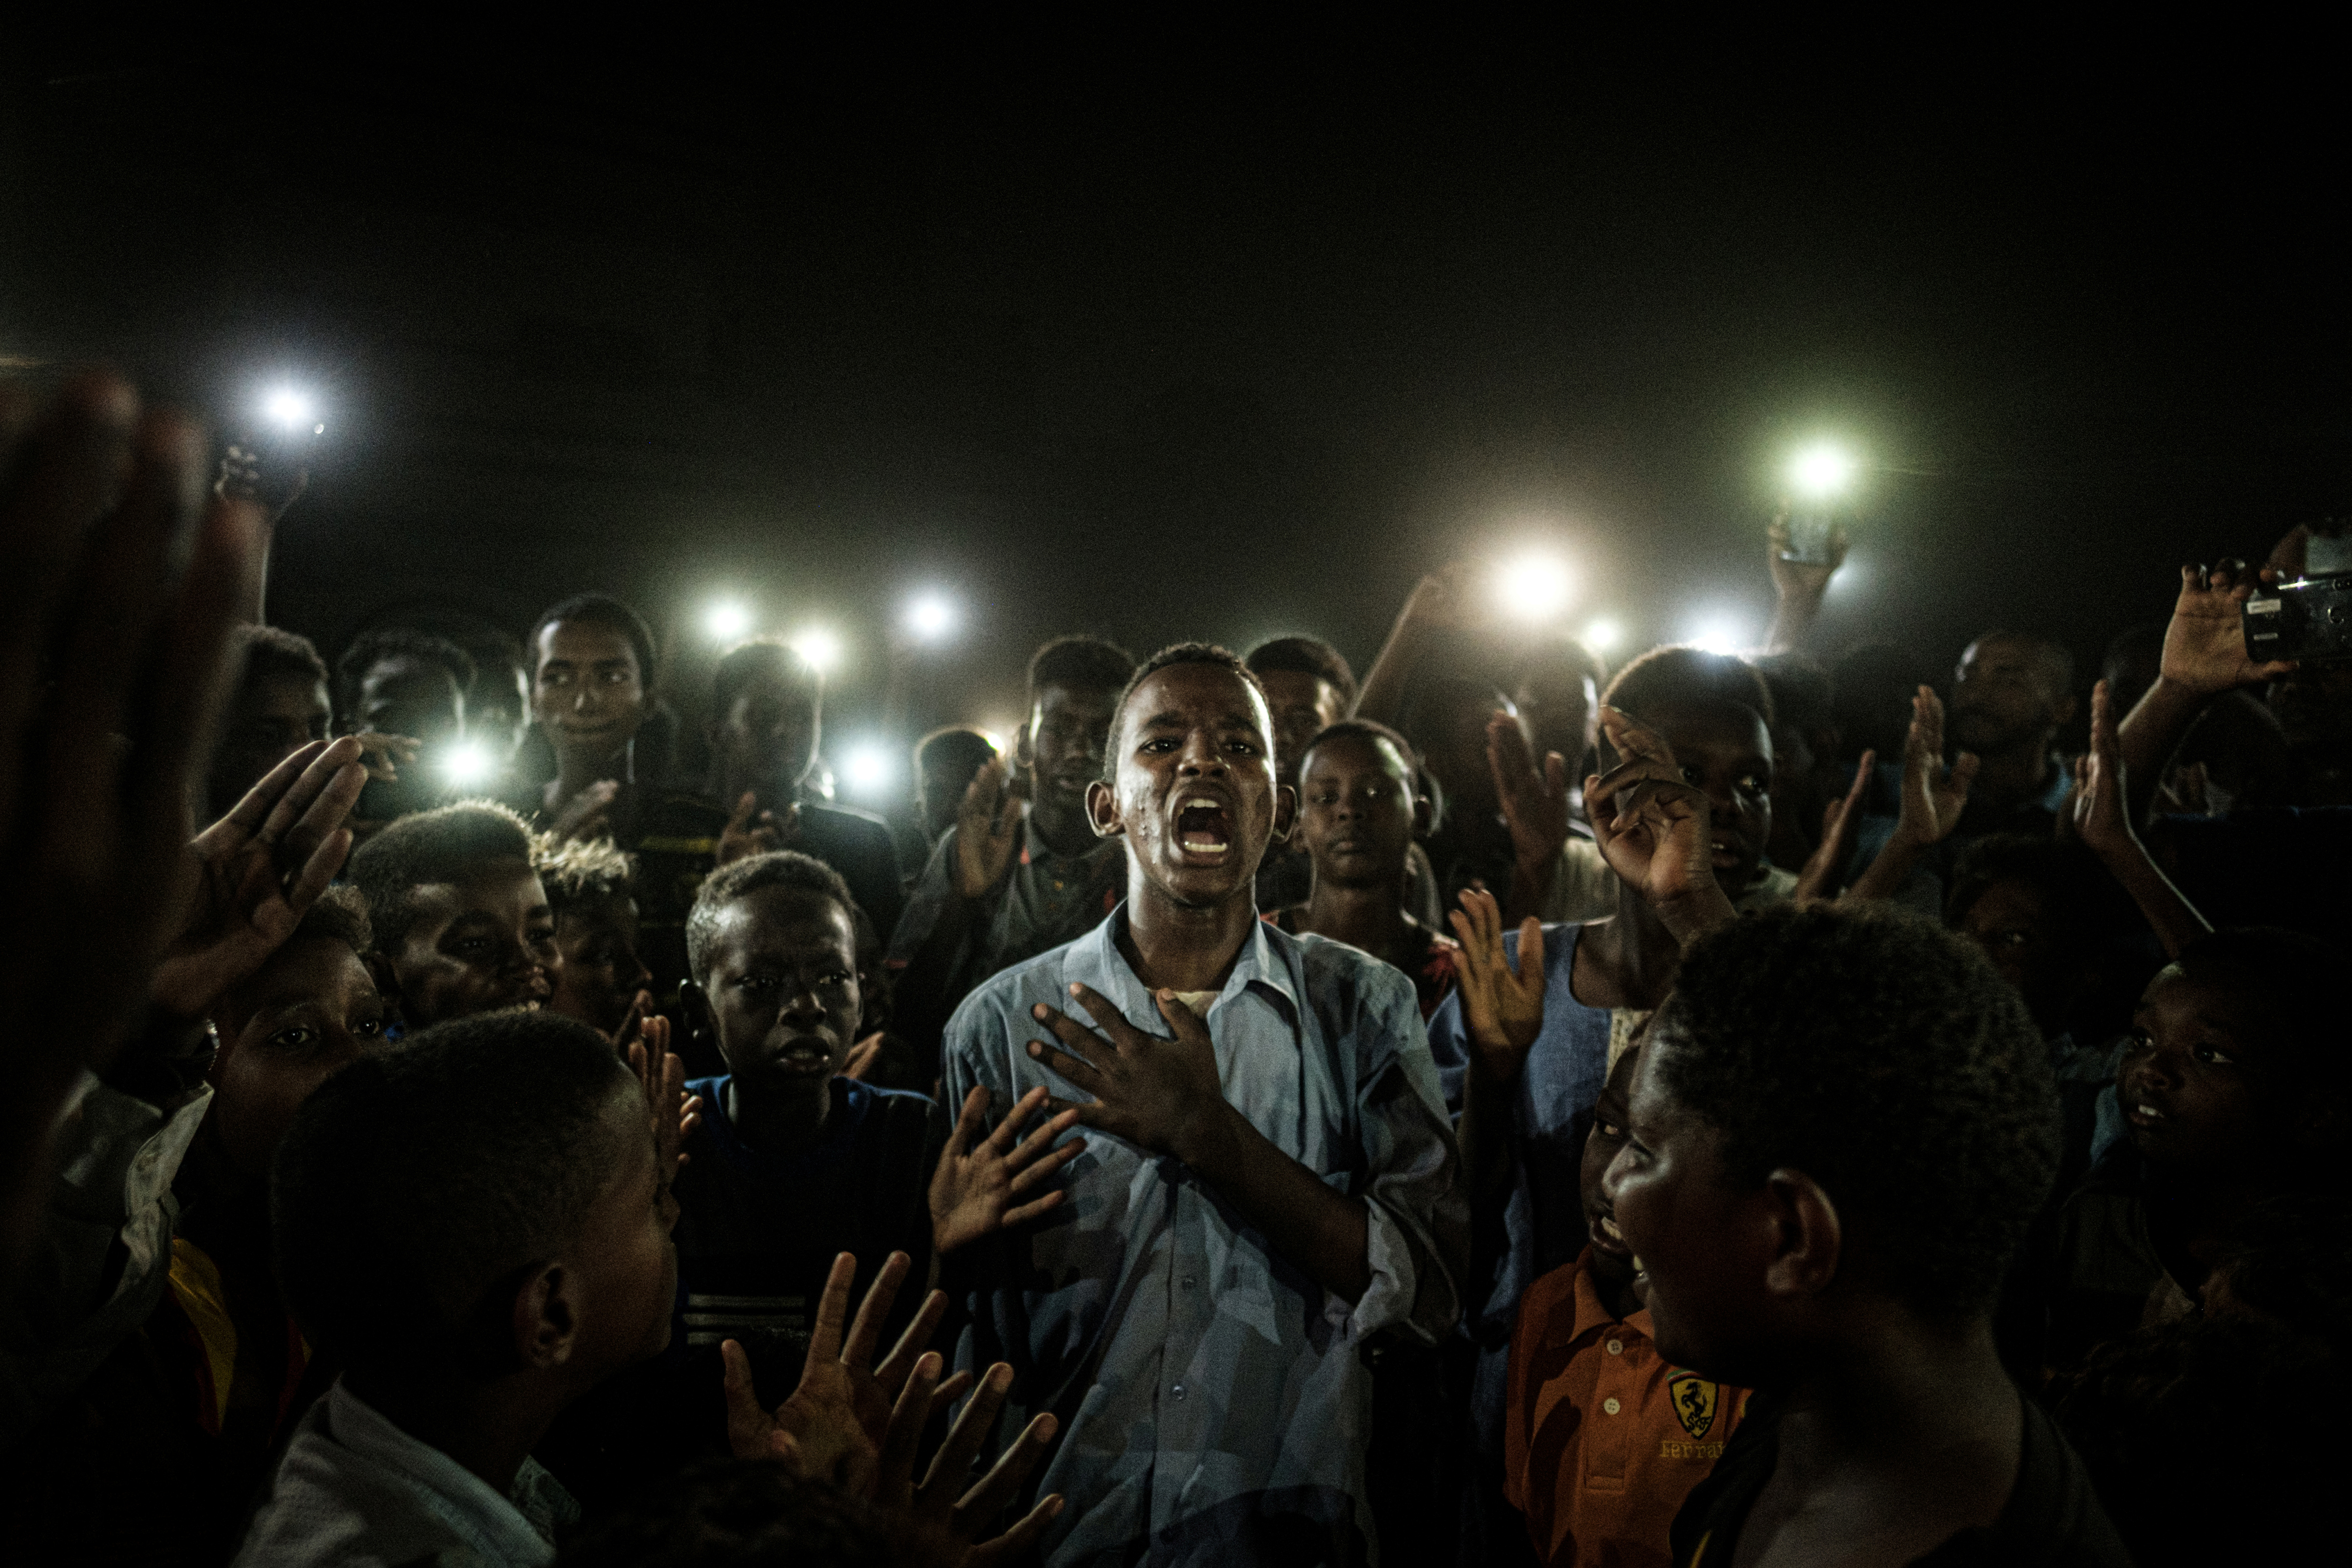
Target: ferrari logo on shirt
pixel 1694 1401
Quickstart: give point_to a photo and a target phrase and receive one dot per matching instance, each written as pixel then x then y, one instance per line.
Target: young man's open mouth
pixel 1204 827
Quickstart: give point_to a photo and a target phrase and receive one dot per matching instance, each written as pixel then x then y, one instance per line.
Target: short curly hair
pixel 448 843
pixel 1080 660
pixel 603 610
pixel 1306 656
pixel 1206 653
pixel 372 647
pixel 740 879
pixel 413 1180
pixel 1884 1057
pixel 574 872
pixel 1678 673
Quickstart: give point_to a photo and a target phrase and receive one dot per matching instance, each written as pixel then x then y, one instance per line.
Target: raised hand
pixel 988 825
pixel 662 1078
pixel 1163 1095
pixel 1934 794
pixel 980 1181
pixel 1801 579
pixel 259 869
pixel 1653 827
pixel 751 831
pixel 2205 641
pixel 1501 1006
pixel 1841 824
pixel 112 672
pixel 1535 801
pixel 2095 809
pixel 587 816
pixel 833 1426
pixel 948 1509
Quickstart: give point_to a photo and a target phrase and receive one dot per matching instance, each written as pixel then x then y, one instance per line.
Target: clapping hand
pixel 2094 810
pixel 1841 824
pixel 752 831
pixel 643 1042
pixel 988 824
pixel 1653 827
pixel 1934 794
pixel 947 1508
pixel 1535 801
pixel 831 1427
pixel 259 869
pixel 980 1181
pixel 1501 1006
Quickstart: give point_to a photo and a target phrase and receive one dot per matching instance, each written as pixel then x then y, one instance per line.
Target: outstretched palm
pixel 259 869
pixel 1502 1006
pixel 2205 641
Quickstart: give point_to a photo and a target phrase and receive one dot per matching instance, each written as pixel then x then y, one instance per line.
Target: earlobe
pixel 1102 811
pixel 546 1322
pixel 1812 1237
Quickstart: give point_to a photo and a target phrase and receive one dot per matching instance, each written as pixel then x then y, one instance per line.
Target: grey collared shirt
pixel 353 1490
pixel 1214 1401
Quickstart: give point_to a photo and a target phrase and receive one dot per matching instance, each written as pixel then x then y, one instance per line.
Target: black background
pixel 1219 336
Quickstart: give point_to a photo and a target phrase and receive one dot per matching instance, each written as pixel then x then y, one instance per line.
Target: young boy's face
pixel 1303 705
pixel 782 991
pixel 627 1265
pixel 2009 922
pixel 2192 1075
pixel 1613 1258
pixel 602 975
pixel 1068 728
pixel 1195 794
pixel 311 1009
pixel 1355 813
pixel 1697 1234
pixel 766 740
pixel 272 717
pixel 477 946
pixel 589 695
pixel 1726 752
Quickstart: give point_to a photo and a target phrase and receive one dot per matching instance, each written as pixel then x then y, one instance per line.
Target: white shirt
pixel 355 1491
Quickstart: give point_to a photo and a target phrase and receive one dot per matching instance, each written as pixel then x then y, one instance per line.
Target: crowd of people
pixel 1724 1108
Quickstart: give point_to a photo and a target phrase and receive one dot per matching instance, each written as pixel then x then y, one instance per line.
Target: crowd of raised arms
pixel 1722 1109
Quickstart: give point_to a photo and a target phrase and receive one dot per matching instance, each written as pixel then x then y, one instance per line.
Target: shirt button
pixel 1178 1391
pixel 1610 1406
pixel 1616 1347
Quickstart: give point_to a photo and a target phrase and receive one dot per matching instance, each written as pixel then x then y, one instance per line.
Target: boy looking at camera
pixel 1264 1190
pixel 792 1165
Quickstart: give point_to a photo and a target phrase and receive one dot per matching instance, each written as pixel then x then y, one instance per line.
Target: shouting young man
pixel 1267 1188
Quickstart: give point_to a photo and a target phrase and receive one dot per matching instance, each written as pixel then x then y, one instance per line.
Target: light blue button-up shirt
pixel 1214 1401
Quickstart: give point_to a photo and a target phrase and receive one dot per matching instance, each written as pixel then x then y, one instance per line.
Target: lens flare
pixel 1533 586
pixel 930 617
pixel 1821 471
pixel 820 648
pixel 727 619
pixel 468 765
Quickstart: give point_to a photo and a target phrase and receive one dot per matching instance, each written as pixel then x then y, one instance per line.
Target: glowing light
pixel 289 408
pixel 726 620
pixel 1717 634
pixel 1533 586
pixel 468 764
pixel 1821 471
pixel 820 648
pixel 865 768
pixel 930 617
pixel 1602 636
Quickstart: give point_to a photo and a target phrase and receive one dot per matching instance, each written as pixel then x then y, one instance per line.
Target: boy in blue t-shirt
pixel 792 1165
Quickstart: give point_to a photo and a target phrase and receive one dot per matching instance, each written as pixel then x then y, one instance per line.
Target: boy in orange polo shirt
pixel 1602 1438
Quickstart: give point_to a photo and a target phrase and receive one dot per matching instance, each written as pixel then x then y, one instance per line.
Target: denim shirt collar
pixel 1269 960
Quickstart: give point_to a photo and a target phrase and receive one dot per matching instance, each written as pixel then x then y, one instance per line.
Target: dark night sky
pixel 1210 349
